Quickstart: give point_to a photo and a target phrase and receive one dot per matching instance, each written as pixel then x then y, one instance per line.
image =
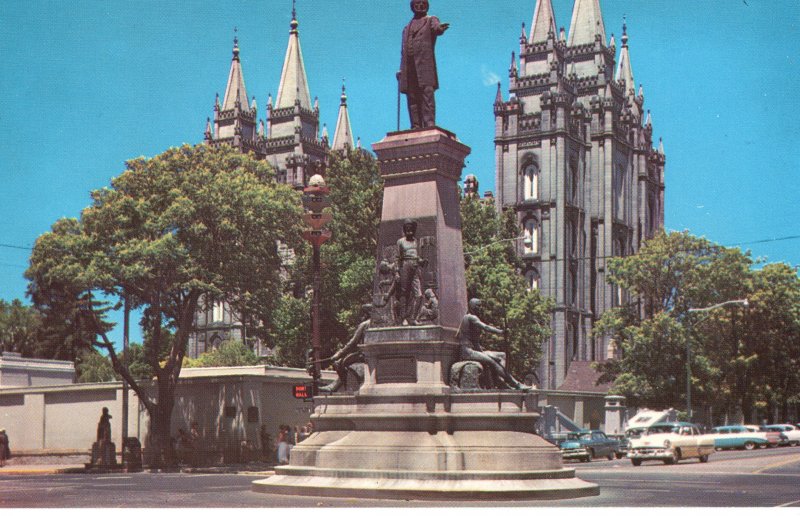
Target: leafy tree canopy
pixel 190 222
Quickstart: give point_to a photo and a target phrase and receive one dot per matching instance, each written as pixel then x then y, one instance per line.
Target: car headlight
pixel 667 444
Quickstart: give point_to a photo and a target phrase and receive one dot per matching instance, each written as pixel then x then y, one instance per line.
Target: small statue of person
pixel 430 307
pixel 104 427
pixel 350 353
pixel 469 336
pixel 407 273
pixel 418 77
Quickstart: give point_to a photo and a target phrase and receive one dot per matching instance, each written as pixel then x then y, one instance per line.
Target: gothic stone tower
pixel 290 141
pixel 575 161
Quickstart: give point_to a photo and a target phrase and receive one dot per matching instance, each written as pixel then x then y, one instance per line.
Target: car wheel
pixel 591 455
pixel 703 458
pixel 794 443
pixel 610 455
pixel 584 459
pixel 676 456
pixel 619 455
pixel 636 462
pixel 749 445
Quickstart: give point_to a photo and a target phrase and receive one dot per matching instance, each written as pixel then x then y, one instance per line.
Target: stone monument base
pixel 434 446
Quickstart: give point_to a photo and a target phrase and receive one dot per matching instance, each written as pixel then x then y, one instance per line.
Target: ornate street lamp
pixel 315 200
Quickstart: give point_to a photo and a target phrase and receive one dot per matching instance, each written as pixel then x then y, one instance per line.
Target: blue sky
pixel 89 84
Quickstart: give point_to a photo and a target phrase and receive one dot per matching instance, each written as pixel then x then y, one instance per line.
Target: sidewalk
pixel 257 469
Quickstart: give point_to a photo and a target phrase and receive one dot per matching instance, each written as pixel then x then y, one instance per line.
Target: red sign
pixel 302 392
pixel 317 238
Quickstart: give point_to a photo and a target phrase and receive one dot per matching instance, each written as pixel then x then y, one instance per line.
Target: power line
pixel 17 247
pixel 779 239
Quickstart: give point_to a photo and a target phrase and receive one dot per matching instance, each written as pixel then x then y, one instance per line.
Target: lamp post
pixel 315 200
pixel 743 302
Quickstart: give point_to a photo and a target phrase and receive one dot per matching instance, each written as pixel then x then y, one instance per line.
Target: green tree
pixel 92 367
pixel 347 261
pixel 672 274
pixel 231 353
pixel 19 326
pixel 493 276
pixel 190 222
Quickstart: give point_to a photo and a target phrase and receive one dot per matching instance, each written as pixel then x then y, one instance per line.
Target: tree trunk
pixel 161 446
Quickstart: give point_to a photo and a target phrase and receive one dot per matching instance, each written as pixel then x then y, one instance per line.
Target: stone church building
pixel 575 160
pixel 291 141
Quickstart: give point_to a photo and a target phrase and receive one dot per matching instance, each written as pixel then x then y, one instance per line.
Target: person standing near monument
pixel 418 77
pixel 469 336
pixel 5 449
pixel 409 291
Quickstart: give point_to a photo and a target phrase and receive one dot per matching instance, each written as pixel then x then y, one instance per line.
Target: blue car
pixel 738 437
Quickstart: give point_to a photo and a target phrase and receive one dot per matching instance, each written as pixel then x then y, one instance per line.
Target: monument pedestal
pixel 404 434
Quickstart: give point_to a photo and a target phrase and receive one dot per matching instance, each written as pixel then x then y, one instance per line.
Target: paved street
pixel 762 478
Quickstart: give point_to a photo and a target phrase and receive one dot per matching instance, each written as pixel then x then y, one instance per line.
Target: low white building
pixel 229 405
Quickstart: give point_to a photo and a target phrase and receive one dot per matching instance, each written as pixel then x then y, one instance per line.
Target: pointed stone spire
pixel 649 120
pixel 523 38
pixel 325 132
pixel 235 86
pixel 624 70
pixel 343 134
pixel 253 105
pixel 562 35
pixel 216 103
pixel 294 82
pixel 498 99
pixel 612 42
pixel 208 134
pixel 358 143
pixel 261 131
pixel 587 23
pixel 544 22
pixel 512 70
pixel 661 146
pixel 641 91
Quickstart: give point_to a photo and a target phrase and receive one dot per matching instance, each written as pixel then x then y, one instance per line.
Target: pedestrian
pixel 5 449
pixel 283 444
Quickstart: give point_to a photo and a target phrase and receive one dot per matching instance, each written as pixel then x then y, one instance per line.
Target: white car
pixel 671 442
pixel 791 432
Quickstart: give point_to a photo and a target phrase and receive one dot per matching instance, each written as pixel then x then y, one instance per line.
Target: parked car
pixel 745 437
pixel 670 443
pixel 625 440
pixel 587 445
pixel 791 432
pixel 773 437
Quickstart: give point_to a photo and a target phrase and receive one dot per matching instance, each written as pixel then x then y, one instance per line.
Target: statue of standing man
pixel 418 77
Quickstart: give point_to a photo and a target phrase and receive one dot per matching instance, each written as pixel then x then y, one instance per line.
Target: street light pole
pixel 315 200
pixel 743 302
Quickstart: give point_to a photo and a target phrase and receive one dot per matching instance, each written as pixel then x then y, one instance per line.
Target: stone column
pixel 615 415
pixel 421 170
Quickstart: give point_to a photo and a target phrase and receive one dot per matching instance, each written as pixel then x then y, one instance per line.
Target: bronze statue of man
pixel 418 77
pixel 350 353
pixel 407 275
pixel 469 336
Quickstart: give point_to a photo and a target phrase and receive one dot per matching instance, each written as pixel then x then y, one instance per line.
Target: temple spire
pixel 624 70
pixel 343 134
pixel 544 22
pixel 587 23
pixel 235 87
pixel 294 82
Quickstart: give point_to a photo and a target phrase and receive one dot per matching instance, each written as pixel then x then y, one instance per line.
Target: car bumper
pixel 650 453
pixel 575 454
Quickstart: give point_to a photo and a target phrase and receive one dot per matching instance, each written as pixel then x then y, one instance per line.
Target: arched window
pixel 619 191
pixel 218 312
pixel 531 181
pixel 531 234
pixel 532 279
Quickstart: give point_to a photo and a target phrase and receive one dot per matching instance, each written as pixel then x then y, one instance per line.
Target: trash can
pixel 133 454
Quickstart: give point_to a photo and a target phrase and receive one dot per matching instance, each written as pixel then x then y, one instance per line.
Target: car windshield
pixel 662 430
pixel 576 435
pixel 634 432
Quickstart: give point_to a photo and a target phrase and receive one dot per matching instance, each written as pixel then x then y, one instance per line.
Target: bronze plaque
pixel 397 370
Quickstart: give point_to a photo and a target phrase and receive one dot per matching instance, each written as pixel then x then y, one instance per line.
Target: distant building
pixel 16 371
pixel 291 141
pixel 575 160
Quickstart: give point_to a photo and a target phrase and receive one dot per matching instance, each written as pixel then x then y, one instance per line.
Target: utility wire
pixel 17 247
